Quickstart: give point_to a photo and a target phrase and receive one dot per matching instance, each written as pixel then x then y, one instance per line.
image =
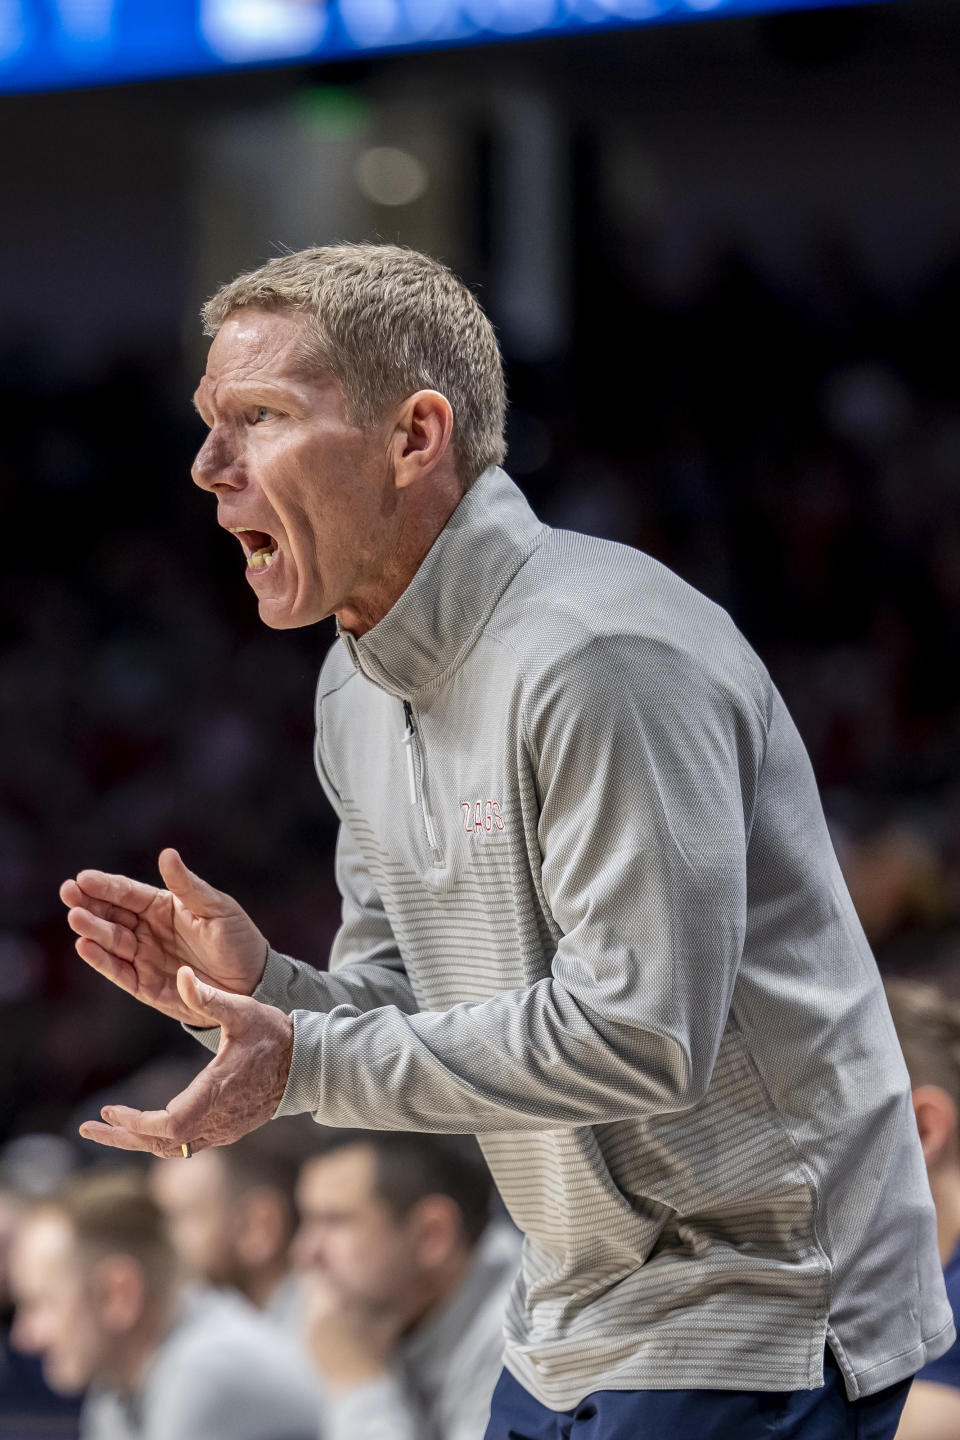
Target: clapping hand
pixel 237 1092
pixel 139 936
pixel 193 953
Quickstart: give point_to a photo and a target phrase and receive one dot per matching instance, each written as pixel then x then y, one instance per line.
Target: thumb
pixel 195 893
pixel 215 1007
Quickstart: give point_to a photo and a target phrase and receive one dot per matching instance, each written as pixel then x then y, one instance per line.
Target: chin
pixel 284 619
pixel 64 1382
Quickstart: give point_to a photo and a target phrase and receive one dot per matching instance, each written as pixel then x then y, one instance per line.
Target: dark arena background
pixel 721 246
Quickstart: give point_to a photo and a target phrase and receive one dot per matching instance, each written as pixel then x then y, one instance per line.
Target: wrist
pixel 258 981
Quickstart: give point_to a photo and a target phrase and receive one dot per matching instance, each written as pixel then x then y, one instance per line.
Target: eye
pixel 259 413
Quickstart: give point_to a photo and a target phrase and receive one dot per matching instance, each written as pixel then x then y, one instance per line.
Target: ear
pixel 937 1122
pixel 421 436
pixel 118 1289
pixel 437 1230
pixel 263 1226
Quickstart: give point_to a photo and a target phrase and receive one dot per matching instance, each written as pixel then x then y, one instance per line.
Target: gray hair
pixel 386 322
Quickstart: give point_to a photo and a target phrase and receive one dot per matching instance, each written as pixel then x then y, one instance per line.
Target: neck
pixel 133 1352
pixel 445 1285
pixel 409 547
pixel 945 1188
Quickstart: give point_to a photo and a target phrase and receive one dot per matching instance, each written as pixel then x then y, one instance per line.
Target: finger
pixel 119 1138
pixel 148 1124
pixel 121 972
pixel 212 1006
pixel 117 890
pixel 73 896
pixel 190 889
pixel 187 1116
pixel 114 939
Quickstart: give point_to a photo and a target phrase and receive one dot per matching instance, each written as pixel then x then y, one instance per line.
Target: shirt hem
pixel 660 1375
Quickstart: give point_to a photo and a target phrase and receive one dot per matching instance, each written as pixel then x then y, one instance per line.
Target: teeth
pixel 262 559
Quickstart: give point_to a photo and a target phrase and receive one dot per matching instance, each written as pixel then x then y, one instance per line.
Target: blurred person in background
pixel 587 887
pixel 29 1166
pixel 98 1296
pixel 407 1280
pixel 232 1215
pixel 928 1024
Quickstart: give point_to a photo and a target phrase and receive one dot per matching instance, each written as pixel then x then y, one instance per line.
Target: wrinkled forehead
pixel 256 347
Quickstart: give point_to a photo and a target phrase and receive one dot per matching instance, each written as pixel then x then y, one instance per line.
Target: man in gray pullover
pixel 591 912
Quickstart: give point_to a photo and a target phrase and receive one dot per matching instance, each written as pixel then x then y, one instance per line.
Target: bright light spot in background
pixel 239 30
pixel 86 22
pixel 389 176
pixel 432 19
pixel 511 17
pixel 618 9
pixel 369 22
pixel 13 30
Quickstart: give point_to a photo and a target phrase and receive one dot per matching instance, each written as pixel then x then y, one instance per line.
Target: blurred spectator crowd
pixel 299 1285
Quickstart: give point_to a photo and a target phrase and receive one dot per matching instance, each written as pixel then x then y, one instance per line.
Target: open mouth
pixel 261 548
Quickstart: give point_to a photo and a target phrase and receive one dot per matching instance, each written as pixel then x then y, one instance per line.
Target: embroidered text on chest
pixel 481 816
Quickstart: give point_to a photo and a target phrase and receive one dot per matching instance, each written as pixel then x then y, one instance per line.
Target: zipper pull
pixel 408 738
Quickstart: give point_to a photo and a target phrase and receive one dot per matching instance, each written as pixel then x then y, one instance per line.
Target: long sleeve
pixel 646 767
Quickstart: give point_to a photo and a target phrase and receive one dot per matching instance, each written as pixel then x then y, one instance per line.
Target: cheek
pixel 74 1347
pixel 381 1264
pixel 305 533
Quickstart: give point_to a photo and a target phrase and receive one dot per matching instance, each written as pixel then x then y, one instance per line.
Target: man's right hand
pixel 138 936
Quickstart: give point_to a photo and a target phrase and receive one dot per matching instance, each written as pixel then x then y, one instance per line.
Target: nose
pixel 215 467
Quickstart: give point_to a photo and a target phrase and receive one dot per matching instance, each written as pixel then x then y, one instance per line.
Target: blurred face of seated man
pixel 197 1201
pixel 372 1274
pixel 85 1311
pixel 334 517
pixel 228 1228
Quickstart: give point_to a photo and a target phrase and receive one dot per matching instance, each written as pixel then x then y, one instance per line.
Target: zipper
pixel 409 737
pixel 411 744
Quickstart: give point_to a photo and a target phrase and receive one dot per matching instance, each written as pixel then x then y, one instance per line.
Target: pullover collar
pixel 430 628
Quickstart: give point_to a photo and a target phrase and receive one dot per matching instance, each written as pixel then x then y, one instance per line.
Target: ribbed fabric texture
pixel 611 938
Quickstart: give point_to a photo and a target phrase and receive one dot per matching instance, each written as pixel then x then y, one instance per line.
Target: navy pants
pixel 824 1414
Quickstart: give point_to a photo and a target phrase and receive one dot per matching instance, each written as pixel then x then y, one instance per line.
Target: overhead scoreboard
pixel 56 44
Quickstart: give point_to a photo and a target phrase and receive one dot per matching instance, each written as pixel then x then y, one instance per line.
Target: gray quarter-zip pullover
pixel 592 914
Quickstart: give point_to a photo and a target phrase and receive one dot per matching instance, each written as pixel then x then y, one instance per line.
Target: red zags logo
pixel 481 816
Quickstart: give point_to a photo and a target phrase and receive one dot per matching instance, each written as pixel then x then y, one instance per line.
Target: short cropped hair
pixel 409 1166
pixel 111 1212
pixel 928 1026
pixel 386 322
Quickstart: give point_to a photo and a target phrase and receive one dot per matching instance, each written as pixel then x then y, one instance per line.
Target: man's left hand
pixel 238 1091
